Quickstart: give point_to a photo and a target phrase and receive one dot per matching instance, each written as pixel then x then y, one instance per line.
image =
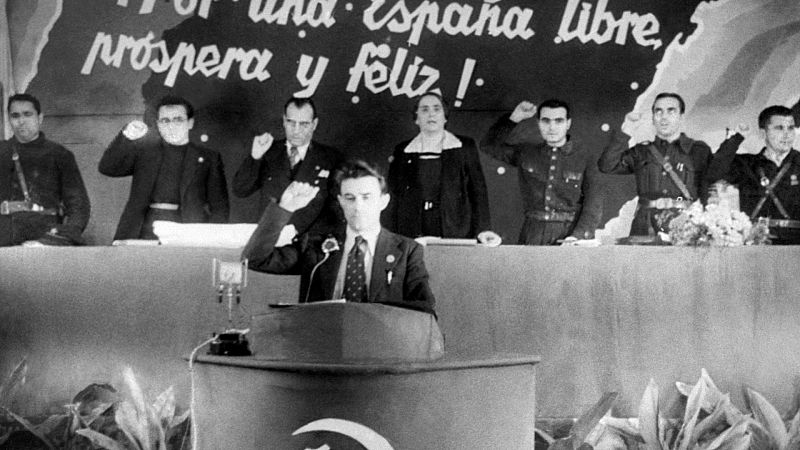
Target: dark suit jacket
pixel 271 174
pixel 398 255
pixel 204 191
pixel 464 202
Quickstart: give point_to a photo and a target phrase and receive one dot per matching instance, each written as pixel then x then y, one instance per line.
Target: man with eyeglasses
pixel 557 177
pixel 768 181
pixel 42 196
pixel 670 171
pixel 173 179
pixel 273 164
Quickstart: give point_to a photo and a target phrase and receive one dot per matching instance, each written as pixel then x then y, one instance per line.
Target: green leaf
pixel 693 406
pixel 589 420
pixel 794 427
pixel 29 426
pixel 15 380
pixel 683 388
pixel 760 438
pixel 714 420
pixel 713 394
pixel 177 420
pixel 128 421
pixel 52 423
pixel 4 437
pixel 603 437
pixel 136 392
pixel 648 417
pixel 794 443
pixel 562 444
pixel 732 437
pixel 95 413
pixel 768 416
pixel 100 440
pixel 142 414
pixel 544 435
pixel 164 407
pixel 625 427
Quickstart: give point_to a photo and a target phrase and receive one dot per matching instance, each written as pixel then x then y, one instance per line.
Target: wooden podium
pixel 360 376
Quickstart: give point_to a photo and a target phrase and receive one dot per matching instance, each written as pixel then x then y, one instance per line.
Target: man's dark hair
pixel 552 104
pixel 357 168
pixel 174 100
pixel 445 105
pixel 299 102
pixel 669 95
pixel 770 111
pixel 24 98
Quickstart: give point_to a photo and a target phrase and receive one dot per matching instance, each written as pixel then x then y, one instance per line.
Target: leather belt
pixel 8 207
pixel 665 203
pixel 781 223
pixel 551 216
pixel 165 206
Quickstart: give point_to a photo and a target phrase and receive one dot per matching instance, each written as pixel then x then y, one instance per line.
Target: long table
pixel 607 318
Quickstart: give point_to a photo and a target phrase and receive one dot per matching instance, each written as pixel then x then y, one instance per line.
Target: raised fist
pixel 633 121
pixel 524 110
pixel 135 130
pixel 633 117
pixel 743 129
pixel 261 144
pixel 297 195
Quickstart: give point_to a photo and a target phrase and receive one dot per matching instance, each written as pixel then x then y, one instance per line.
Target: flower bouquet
pixel 716 225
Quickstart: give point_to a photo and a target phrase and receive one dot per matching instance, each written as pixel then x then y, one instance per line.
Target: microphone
pixel 329 246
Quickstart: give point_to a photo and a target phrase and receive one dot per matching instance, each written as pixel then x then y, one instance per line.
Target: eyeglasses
pixel 175 120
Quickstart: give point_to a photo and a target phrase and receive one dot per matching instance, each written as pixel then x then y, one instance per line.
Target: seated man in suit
pixel 374 265
pixel 272 165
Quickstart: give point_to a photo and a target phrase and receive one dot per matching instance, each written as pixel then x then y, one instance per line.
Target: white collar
pixel 449 141
pixel 371 236
pixel 301 150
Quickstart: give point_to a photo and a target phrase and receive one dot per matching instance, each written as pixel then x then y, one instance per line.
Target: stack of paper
pixel 203 234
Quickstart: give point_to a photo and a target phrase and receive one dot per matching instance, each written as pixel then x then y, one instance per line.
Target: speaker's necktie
pixel 355 279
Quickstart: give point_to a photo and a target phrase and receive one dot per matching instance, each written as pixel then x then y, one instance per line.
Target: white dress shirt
pixel 371 238
pixel 301 151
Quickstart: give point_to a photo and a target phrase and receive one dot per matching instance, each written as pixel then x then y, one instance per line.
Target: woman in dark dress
pixel 436 181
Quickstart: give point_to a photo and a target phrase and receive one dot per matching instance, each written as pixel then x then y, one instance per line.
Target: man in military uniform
pixel 558 177
pixel 768 182
pixel 670 171
pixel 42 194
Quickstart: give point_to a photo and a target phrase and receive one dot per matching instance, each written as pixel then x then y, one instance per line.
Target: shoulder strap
pixel 768 191
pixel 20 175
pixel 668 168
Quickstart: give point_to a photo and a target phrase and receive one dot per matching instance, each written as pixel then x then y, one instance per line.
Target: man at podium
pixel 358 261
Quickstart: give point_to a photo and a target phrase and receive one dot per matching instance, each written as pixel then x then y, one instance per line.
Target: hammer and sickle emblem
pixel 360 433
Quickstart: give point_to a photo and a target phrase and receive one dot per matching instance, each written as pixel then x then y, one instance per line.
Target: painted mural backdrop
pixel 365 61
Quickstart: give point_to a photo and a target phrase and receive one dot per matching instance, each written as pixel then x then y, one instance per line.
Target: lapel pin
pixel 200 159
pixel 390 259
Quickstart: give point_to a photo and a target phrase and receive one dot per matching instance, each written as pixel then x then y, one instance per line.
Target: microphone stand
pixel 328 246
pixel 313 271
